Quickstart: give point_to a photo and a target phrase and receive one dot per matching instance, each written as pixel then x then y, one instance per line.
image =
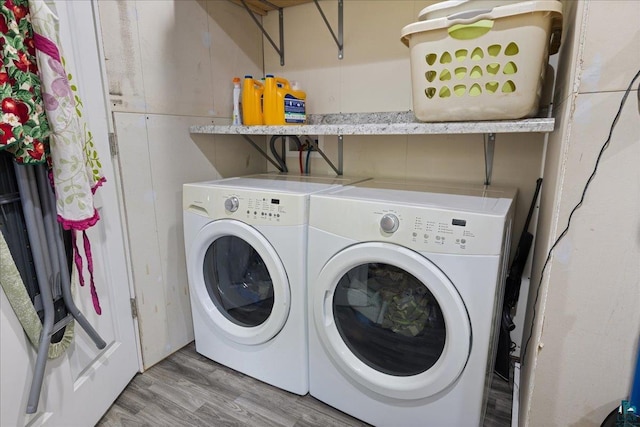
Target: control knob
pixel 232 204
pixel 389 223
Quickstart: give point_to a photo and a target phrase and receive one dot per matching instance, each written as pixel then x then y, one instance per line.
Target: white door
pixel 80 385
pixel 238 281
pixel 391 320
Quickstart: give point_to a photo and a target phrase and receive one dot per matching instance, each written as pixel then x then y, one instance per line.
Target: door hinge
pixel 113 144
pixel 134 308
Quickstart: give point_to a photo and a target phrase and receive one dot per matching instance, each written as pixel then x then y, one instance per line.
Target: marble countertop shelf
pixel 396 123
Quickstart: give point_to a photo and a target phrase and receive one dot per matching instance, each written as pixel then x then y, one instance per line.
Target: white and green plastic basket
pixel 481 59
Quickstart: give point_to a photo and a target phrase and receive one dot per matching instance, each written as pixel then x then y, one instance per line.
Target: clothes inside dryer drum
pixel 389 319
pixel 238 281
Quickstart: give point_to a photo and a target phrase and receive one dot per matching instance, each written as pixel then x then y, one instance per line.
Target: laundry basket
pixel 481 59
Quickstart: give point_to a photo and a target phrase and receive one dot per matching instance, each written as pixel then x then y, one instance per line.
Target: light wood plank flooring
pixel 187 389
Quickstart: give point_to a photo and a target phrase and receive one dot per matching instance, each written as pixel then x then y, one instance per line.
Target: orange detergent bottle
pixel 283 105
pixel 252 91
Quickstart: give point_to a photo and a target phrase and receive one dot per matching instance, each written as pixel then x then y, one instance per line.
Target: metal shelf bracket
pixel 282 168
pixel 339 169
pixel 489 149
pixel 263 153
pixel 339 38
pixel 280 49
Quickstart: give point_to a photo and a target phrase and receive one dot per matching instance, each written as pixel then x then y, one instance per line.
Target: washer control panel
pixel 269 208
pixel 253 207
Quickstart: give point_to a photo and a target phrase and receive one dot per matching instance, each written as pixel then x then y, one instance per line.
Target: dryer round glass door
pixel 391 320
pixel 239 282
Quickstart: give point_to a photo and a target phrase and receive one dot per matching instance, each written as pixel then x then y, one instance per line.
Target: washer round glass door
pixel 391 320
pixel 239 282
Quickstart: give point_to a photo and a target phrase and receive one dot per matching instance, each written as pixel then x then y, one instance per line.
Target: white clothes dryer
pixel 245 241
pixel 405 285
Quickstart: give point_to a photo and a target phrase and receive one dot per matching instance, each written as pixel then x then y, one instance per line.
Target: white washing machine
pixel 405 285
pixel 245 241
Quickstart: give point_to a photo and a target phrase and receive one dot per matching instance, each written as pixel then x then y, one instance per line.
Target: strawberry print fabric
pixel 23 122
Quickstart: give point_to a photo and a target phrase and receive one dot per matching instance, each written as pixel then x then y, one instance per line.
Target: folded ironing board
pixel 51 267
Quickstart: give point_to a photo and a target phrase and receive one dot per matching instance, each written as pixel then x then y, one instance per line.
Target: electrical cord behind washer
pixel 584 192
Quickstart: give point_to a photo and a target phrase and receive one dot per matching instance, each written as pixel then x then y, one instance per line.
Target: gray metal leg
pixel 32 185
pixel 50 265
pixel 60 258
pixel 37 246
pixel 39 180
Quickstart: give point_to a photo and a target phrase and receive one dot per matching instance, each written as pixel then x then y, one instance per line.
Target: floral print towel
pixel 23 123
pixel 75 164
pixel 74 160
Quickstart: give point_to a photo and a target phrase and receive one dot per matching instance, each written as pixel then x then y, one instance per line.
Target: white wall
pixel 170 66
pixel 580 360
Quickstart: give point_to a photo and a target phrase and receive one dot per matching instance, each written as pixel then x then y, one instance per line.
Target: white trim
pixel 103 69
pixel 117 179
pixel 515 402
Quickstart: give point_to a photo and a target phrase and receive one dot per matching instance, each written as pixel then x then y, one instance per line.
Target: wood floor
pixel 187 389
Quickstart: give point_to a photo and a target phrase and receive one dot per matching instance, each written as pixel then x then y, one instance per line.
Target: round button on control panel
pixel 232 204
pixel 389 223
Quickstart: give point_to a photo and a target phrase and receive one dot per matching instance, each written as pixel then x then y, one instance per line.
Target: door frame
pixel 117 176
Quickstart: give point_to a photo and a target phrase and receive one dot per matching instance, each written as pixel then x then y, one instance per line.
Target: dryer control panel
pixel 251 207
pixel 423 229
pixel 446 230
